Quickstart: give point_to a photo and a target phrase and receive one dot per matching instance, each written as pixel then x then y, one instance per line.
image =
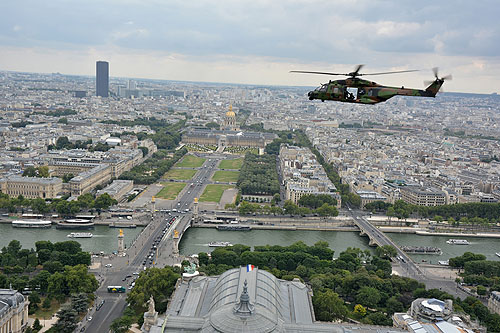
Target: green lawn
pixel 191 161
pixel 213 193
pixel 231 164
pixel 226 176
pixel 170 190
pixel 179 174
pixel 46 313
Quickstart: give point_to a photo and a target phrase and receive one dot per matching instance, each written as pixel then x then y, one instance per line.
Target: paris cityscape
pixel 185 190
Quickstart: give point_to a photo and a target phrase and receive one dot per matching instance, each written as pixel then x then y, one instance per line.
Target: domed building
pixel 229 123
pixel 246 299
pixel 229 135
pixel 13 311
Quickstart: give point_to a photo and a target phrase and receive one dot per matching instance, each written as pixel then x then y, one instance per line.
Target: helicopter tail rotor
pixel 435 86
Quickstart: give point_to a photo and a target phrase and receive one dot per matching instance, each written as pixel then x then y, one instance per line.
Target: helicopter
pixel 356 90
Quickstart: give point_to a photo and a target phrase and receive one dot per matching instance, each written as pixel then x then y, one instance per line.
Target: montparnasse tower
pixel 230 120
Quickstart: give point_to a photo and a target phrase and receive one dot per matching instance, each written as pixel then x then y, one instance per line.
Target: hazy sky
pixel 257 41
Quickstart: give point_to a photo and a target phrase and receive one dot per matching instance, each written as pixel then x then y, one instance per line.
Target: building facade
pixel 31 187
pixel 494 302
pixel 118 189
pixel 102 79
pixel 423 196
pixel 13 311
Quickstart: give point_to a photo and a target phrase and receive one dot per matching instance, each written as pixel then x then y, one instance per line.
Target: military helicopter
pixel 356 90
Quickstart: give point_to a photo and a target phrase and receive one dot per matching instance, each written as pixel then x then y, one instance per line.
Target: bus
pixel 116 289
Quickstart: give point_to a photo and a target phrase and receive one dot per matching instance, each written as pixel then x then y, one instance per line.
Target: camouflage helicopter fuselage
pixel 355 90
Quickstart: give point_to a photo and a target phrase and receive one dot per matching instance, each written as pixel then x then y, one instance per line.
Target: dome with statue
pixel 229 123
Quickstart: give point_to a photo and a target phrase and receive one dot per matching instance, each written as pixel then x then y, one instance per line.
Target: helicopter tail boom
pixel 434 87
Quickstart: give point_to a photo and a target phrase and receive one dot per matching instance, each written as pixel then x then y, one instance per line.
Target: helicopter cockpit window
pixel 323 88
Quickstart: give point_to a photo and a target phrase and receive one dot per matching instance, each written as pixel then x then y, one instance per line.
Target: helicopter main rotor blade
pixel 323 73
pixel 395 72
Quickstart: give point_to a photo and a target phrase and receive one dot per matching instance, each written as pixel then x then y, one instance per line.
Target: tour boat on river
pixel 31 224
pixel 458 241
pixel 80 235
pixel 75 224
pixel 219 244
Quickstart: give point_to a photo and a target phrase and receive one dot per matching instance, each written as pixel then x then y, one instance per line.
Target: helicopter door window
pixel 336 91
pixel 352 93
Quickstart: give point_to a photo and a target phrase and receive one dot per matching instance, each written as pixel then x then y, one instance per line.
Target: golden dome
pixel 230 113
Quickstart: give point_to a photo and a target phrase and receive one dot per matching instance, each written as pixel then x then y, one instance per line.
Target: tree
pixel 328 306
pixel 145 151
pixel 14 247
pixel 36 325
pixel 67 177
pixel 386 251
pixel 390 213
pixel 203 258
pixel 121 324
pixel 155 282
pixel 29 172
pixel 104 201
pixel 67 321
pixel 39 206
pixel 327 210
pixel 79 302
pixel 62 142
pixel 43 171
pixel 47 302
pixel 368 296
pixel 290 208
pixel 359 310
pixel 394 305
pixel 212 125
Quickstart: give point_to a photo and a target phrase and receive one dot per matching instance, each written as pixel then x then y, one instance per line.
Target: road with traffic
pixel 155 240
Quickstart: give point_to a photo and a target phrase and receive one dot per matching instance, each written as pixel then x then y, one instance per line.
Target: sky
pixel 257 41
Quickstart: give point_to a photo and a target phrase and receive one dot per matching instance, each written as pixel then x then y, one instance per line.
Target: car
pixel 136 273
pixel 82 329
pixel 90 318
pixel 109 265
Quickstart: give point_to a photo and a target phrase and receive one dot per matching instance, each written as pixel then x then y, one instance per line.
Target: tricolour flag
pixel 250 268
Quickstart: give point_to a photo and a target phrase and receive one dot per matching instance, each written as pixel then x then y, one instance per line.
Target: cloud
pixel 314 33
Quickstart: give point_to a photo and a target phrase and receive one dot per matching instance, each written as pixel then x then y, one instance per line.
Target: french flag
pixel 250 268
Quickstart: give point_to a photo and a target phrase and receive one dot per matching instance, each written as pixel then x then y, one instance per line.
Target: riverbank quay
pixel 105 219
pixel 285 227
pixel 426 232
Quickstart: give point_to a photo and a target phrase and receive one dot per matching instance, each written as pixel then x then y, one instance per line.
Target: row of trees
pixel 324 210
pixel 258 175
pixel 478 271
pixel 58 113
pixel 475 212
pixel 66 208
pixel 154 167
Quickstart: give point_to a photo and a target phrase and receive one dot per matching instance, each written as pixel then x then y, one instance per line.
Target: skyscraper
pixel 102 78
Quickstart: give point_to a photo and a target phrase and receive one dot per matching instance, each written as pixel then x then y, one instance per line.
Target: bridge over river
pixel 378 238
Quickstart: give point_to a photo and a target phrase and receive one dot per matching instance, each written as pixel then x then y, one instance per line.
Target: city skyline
pixel 257 43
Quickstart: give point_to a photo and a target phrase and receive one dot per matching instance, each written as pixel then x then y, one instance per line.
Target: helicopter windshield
pixel 322 88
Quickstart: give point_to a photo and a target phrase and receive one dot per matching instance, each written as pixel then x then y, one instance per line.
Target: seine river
pixel 105 238
pixel 196 240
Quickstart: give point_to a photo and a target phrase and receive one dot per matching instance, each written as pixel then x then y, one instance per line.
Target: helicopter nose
pixel 311 95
